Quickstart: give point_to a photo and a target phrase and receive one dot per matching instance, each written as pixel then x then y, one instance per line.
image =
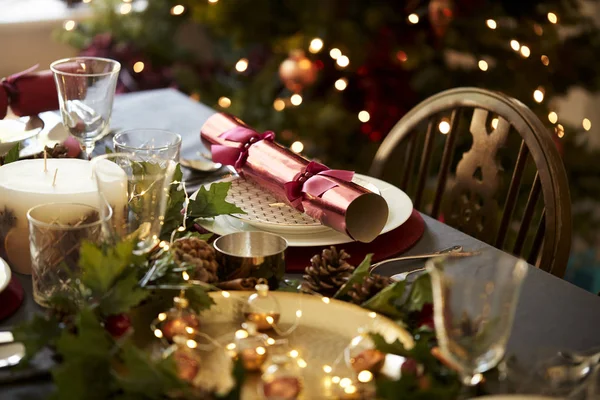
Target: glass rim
pixel 54 64
pixel 59 226
pixel 129 131
pixel 131 156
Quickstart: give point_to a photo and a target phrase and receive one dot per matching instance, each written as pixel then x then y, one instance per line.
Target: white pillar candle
pixel 24 184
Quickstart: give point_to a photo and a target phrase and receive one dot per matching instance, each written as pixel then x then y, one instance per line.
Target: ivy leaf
pixel 211 202
pixel 37 333
pixel 199 298
pixel 147 378
pixel 359 274
pixel 13 154
pixel 384 302
pixel 124 295
pixel 91 340
pixel 102 266
pixel 173 216
pixel 420 293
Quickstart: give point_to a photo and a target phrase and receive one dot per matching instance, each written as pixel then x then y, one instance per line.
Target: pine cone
pixel 370 286
pixel 58 151
pixel 329 271
pixel 201 255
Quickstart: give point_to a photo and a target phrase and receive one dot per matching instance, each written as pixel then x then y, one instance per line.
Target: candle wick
pixel 45 161
pixel 54 180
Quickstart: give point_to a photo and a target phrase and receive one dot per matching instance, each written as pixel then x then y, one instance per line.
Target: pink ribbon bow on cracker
pixel 313 180
pixel 237 156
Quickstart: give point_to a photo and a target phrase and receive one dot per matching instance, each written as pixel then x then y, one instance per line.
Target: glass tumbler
pixel 86 89
pixel 137 189
pixel 149 143
pixel 56 231
pixel 474 305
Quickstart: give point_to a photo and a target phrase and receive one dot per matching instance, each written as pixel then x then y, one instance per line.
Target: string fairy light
pixel 525 51
pixel 341 84
pixel 545 60
pixel 515 45
pixel 212 1
pixel 297 147
pixel 560 130
pixel 125 8
pixel 316 45
pixel 342 61
pixel 444 126
pixel 138 67
pixel 553 18
pixel 587 124
pixel 364 116
pixel 553 117
pixel 413 18
pixel 483 65
pixel 279 105
pixel 335 53
pixel 69 25
pixel 241 65
pixel 491 24
pixel 177 10
pixel 538 94
pixel 296 99
pixel 224 102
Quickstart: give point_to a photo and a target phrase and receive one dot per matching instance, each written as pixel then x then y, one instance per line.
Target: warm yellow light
pixel 413 18
pixel 553 18
pixel 537 28
pixel 373 314
pixel 230 346
pixel 270 341
pixel 260 350
pixel 69 25
pixel 327 369
pixel 86 1
pixel 294 353
pixel 365 376
pixel 137 68
pixel 241 334
pixel 185 275
pixel 225 294
pixel 224 102
pixel 316 45
pixel 125 8
pixel 181 228
pixel 444 127
pixel 335 53
pixel 177 10
pixel 192 344
pixel 342 61
pixel 545 60
pixel 483 65
pixel 302 363
pixel 335 379
pixel 350 389
pixel 158 333
pixel 345 382
pixel 525 51
pixel 189 330
pixel 341 84
pixel 270 320
pixel 162 316
pixel 279 104
pixel 364 116
pixel 587 124
pixel 213 1
pixel 515 45
pixel 495 123
pixel 299 312
pixel 241 65
pixel 538 94
pixel 325 300
pixel 297 147
pixel 491 24
pixel 560 130
pixel 296 99
pixel 552 117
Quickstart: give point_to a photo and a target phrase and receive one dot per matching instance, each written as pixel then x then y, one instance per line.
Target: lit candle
pixel 25 184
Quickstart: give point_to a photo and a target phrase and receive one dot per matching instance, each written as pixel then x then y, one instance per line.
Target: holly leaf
pixel 359 274
pixel 199 298
pixel 125 294
pixel 37 333
pixel 211 202
pixel 13 154
pixel 91 339
pixel 101 266
pixel 385 302
pixel 173 215
pixel 420 293
pixel 145 377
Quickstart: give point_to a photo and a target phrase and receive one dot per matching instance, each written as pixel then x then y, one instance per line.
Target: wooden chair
pixel 475 198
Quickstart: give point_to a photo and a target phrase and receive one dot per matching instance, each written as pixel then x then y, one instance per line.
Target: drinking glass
pixel 474 306
pixel 86 89
pixel 148 143
pixel 136 188
pixel 56 231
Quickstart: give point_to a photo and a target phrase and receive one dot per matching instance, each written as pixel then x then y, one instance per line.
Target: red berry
pixel 425 317
pixel 117 325
pixel 409 367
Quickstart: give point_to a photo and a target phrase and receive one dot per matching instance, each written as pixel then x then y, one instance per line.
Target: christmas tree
pixel 332 77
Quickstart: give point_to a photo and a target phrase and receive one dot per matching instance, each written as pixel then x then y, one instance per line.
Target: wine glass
pixel 136 189
pixel 149 142
pixel 86 89
pixel 474 305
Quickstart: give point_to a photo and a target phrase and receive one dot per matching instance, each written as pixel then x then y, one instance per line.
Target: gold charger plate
pixel 326 327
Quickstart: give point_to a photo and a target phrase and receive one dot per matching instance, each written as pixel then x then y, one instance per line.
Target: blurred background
pixel 332 77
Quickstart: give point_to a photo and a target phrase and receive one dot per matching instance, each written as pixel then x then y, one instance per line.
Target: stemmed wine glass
pixel 86 89
pixel 474 305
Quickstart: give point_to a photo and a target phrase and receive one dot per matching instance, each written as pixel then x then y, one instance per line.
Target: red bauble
pixel 176 326
pixel 117 325
pixel 297 71
pixel 187 365
pixel 441 13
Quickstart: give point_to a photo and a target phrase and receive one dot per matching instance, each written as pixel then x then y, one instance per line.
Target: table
pixel 552 314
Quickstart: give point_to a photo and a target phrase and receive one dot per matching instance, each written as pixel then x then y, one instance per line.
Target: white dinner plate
pixel 400 209
pixel 5 275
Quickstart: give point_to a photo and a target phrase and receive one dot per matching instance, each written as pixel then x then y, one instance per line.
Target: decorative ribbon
pixel 9 82
pixel 312 181
pixel 237 156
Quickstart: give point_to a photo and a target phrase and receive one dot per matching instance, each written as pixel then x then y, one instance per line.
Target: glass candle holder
pixel 143 183
pixel 149 143
pixel 56 231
